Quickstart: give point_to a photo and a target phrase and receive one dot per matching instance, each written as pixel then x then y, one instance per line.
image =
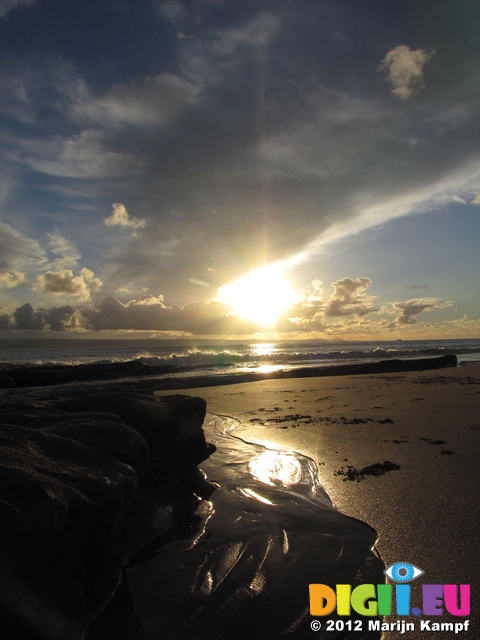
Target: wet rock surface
pixel 88 475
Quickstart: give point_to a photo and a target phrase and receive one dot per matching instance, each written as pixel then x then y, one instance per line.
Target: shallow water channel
pixel 242 569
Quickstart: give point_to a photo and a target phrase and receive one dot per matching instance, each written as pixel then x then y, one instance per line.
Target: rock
pixel 61 505
pixel 6 382
pixel 87 475
pixel 172 425
pixel 109 436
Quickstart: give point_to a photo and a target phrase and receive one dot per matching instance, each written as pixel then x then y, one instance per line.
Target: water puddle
pixel 242 567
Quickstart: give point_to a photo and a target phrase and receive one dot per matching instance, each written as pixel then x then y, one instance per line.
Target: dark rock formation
pixel 49 374
pixel 86 477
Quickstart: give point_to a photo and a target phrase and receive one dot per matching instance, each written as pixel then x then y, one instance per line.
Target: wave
pixel 228 358
pixel 239 356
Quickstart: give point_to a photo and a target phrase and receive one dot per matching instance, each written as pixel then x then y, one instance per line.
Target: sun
pixel 262 295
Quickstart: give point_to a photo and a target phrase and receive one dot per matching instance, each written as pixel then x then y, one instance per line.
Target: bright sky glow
pixel 262 295
pixel 142 187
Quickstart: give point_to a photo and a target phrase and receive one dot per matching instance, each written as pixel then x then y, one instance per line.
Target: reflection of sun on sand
pixel 427 512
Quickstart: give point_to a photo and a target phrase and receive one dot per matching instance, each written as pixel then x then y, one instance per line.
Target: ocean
pixel 213 358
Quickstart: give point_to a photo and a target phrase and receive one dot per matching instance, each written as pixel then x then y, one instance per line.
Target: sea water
pixel 225 357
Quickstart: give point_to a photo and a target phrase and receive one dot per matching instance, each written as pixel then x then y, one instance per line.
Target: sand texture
pixel 398 451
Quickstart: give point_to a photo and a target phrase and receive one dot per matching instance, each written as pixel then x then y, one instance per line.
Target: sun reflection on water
pixel 264 349
pixel 274 468
pixel 267 368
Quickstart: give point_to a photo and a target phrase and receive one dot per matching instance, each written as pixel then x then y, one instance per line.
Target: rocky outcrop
pixel 49 374
pixel 87 477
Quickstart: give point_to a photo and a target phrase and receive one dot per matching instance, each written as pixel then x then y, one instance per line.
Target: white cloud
pixel 86 155
pixel 120 218
pixel 80 286
pixel 404 69
pixel 349 297
pixel 149 301
pixel 18 250
pixel 375 208
pixel 67 254
pixel 412 308
pixel 11 279
pixel 142 102
pixel 476 201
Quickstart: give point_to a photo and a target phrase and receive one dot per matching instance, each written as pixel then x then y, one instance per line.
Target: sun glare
pixel 261 296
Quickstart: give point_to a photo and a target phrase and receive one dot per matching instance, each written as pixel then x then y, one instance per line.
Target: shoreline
pixel 48 375
pixel 425 504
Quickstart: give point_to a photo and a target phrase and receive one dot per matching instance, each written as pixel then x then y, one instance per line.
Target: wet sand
pixel 398 451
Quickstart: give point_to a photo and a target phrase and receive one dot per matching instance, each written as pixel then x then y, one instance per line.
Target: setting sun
pixel 261 296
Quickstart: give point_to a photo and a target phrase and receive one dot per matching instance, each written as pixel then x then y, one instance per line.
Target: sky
pixel 236 168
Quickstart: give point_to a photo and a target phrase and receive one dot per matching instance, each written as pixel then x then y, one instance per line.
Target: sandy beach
pixel 398 451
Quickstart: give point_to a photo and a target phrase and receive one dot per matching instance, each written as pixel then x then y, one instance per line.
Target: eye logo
pixel 403 572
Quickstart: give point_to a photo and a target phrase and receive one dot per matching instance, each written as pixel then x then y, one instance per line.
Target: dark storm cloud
pixel 209 318
pixel 25 318
pixel 5 321
pixel 61 318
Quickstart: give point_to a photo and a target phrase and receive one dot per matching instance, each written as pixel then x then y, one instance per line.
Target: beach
pixel 397 451
pixel 220 504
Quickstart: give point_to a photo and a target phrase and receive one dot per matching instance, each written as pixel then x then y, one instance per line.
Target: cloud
pixel 67 254
pixel 9 279
pixel 151 314
pixel 349 297
pixel 404 70
pixel 6 6
pixel 312 311
pixel 144 101
pixel 18 250
pixel 80 286
pixel 88 154
pixel 61 318
pixel 172 10
pixel 25 318
pixel 5 322
pixel 120 218
pixel 412 308
pixel 417 286
pixel 239 147
pixel 476 201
